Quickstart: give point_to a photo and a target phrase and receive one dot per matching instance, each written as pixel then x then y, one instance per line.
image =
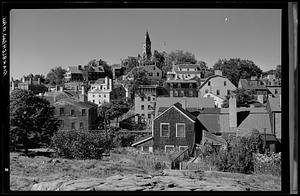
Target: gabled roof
pixel 216 139
pixel 100 81
pixel 209 78
pixel 179 108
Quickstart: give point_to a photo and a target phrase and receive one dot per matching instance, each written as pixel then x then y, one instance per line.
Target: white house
pixel 218 100
pixel 100 91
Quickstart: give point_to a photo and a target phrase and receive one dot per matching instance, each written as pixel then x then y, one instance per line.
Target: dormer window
pixel 208 83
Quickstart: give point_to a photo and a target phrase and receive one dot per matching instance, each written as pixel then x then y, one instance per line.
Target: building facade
pixel 218 85
pixel 185 72
pixel 182 88
pixel 100 91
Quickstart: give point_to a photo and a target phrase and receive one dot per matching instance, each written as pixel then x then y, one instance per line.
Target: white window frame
pixel 184 129
pixel 182 147
pixel 169 146
pixel 161 129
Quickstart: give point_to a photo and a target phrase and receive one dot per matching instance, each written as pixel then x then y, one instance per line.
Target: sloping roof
pixel 185 66
pixel 74 69
pixel 216 139
pixel 211 122
pixel 257 121
pixel 274 104
pixel 181 81
pixel 180 109
pixel 98 68
pixel 189 102
pixel 209 78
pixel 100 81
pixel 77 103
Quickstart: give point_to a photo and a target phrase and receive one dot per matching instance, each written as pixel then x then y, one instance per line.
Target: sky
pixel 44 39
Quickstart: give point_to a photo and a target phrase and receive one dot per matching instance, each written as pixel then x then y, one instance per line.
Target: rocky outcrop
pixel 168 180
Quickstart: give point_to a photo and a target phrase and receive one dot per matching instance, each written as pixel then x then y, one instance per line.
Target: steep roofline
pixel 177 110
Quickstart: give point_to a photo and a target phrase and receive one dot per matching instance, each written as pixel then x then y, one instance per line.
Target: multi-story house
pixel 218 85
pixel 145 101
pixel 259 88
pixel 35 86
pixel 87 72
pixel 154 73
pixel 74 74
pixel 182 88
pixel 72 109
pixel 273 85
pixel 186 72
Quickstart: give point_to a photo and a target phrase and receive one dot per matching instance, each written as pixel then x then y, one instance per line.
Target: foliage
pixel 267 163
pixel 113 110
pixel 95 63
pixel 31 119
pixel 81 144
pixel 235 69
pixel 278 71
pixel 36 77
pixel 158 59
pixel 130 63
pixel 238 157
pixel 243 96
pixel 123 139
pixel 56 76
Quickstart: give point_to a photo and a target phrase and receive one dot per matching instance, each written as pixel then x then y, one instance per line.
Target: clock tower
pixel 147 48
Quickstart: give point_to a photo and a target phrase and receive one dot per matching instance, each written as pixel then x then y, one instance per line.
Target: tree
pixel 31 119
pixel 158 59
pixel 243 96
pixel 95 63
pixel 56 76
pixel 278 72
pixel 235 69
pixel 130 63
pixel 177 57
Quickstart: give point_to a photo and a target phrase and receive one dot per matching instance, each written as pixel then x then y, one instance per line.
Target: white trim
pixel 176 128
pixel 144 140
pixel 160 129
pixel 182 146
pixel 168 146
pixel 175 108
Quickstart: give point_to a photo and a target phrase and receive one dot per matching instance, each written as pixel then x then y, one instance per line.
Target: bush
pixel 267 164
pixel 238 157
pixel 123 139
pixel 79 144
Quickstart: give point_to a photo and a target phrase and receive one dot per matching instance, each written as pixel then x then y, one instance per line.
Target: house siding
pixel 173 116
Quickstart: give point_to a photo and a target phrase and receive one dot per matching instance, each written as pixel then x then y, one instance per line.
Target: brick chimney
pixel 61 88
pixel 218 72
pixel 30 80
pixel 82 96
pixel 232 114
pixel 39 80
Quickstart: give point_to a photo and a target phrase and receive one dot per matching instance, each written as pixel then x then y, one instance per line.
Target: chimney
pixel 82 90
pixel 183 103
pixel 110 83
pixel 79 67
pixel 260 99
pixel 30 80
pixel 39 80
pixel 61 88
pixel 23 79
pixel 218 72
pixel 232 114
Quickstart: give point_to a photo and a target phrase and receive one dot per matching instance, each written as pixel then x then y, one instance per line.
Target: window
pixel 157 74
pixel 61 111
pixel 191 93
pixel 61 123
pixel 93 100
pixel 169 148
pixel 149 107
pixel 142 98
pixel 190 85
pixel 182 93
pixel 149 98
pixel 104 96
pixel 218 92
pixel 208 83
pixel 181 148
pixel 149 116
pixel 93 95
pixel 81 125
pixel 164 129
pixel 180 130
pixel 206 91
pixel 228 92
pixel 73 125
pixel 83 112
pixel 276 91
pixel 142 107
pixel 72 113
pixel 153 99
pixel 175 93
pixel 225 83
pixel 154 68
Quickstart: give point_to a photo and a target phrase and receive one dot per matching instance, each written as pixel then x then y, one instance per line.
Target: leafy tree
pixel 158 59
pixel 130 63
pixel 31 119
pixel 177 57
pixel 112 110
pixel 95 63
pixel 278 71
pixel 243 96
pixel 56 76
pixel 235 69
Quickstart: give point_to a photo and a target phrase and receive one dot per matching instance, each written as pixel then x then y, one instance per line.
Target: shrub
pixel 123 139
pixel 79 144
pixel 267 164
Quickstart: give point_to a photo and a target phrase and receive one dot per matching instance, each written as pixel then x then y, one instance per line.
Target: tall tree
pixel 56 76
pixel 278 72
pixel 32 121
pixel 243 97
pixel 130 63
pixel 158 59
pixel 235 69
